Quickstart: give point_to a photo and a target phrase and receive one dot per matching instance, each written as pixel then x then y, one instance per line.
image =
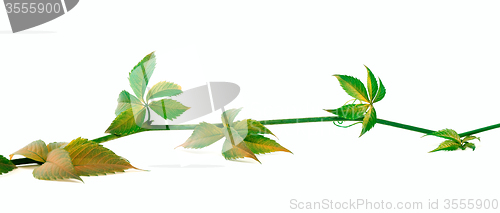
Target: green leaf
pixel 470 145
pixel 126 101
pixel 448 145
pixel 163 89
pixel 228 116
pixel 447 134
pixel 380 93
pixel 127 122
pixel 36 150
pixel 57 167
pixel 140 75
pixel 91 159
pixel 372 84
pixel 350 111
pixel 469 138
pixel 369 121
pixel 167 108
pixel 251 127
pixel 6 165
pixel 353 86
pixel 204 134
pixel 259 144
pixel 55 145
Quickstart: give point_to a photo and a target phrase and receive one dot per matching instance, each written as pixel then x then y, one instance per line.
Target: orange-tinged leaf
pixel 92 159
pixel 57 167
pixel 234 146
pixel 55 145
pixel 36 150
pixel 240 150
pixel 259 144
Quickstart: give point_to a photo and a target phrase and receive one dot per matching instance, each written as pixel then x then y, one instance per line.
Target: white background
pixel 437 59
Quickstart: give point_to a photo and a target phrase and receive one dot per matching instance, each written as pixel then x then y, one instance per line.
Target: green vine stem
pixel 479 130
pixel 106 138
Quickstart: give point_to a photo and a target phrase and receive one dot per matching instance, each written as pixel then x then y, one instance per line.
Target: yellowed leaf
pixel 91 159
pixel 57 167
pixel 36 150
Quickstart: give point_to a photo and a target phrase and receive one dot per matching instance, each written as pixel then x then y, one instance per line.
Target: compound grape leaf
pixel 371 84
pixel 380 93
pixel 127 101
pixel 242 138
pixel 447 134
pixel 350 111
pixel 369 121
pixel 203 135
pixel 129 121
pixel 57 167
pixel 167 108
pixel 36 150
pixel 470 145
pixel 163 89
pixel 91 159
pixel 353 87
pixel 259 144
pixel 448 145
pixel 140 75
pixel 6 165
pixel 55 145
